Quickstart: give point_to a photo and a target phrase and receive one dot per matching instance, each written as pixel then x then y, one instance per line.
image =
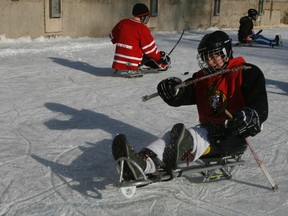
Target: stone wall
pixel 95 18
pixel 21 18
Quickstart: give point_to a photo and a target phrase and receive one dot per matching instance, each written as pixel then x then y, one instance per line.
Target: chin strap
pixel 148 153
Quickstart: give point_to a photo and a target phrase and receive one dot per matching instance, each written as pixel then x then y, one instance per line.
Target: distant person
pixel 247 35
pixel 135 45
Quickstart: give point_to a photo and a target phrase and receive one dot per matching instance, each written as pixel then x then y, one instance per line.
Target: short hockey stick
pixel 258 160
pixel 189 82
pixel 256 34
pixel 259 32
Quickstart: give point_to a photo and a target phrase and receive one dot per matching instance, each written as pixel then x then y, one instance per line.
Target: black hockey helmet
pixel 141 10
pixel 216 43
pixel 252 13
pixel 217 40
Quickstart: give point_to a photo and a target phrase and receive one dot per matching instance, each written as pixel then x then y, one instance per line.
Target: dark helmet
pixel 252 13
pixel 140 10
pixel 217 42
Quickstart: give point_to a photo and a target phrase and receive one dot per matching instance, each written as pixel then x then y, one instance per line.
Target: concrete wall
pixel 95 18
pixel 21 18
pixel 180 14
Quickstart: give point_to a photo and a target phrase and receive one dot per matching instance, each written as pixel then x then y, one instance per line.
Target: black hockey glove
pixel 244 123
pixel 164 62
pixel 166 88
pixel 165 58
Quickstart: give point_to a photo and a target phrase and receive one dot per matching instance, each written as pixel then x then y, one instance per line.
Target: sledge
pixel 136 74
pixel 209 168
pixel 254 44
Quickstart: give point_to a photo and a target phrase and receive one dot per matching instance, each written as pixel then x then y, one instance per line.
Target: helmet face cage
pixel 145 19
pixel 219 58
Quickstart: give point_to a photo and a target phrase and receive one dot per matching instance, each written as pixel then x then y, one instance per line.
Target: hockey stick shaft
pixel 190 82
pixel 261 165
pixel 259 32
pixel 177 42
pixel 258 160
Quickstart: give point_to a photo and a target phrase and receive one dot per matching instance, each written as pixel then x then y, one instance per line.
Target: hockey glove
pixel 164 62
pixel 165 58
pixel 250 39
pixel 166 88
pixel 244 123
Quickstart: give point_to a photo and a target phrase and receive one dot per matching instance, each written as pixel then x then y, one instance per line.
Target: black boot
pixel 121 148
pixel 180 143
pixel 277 39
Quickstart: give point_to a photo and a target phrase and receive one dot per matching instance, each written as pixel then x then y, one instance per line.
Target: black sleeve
pixel 254 90
pixel 185 96
pixel 246 27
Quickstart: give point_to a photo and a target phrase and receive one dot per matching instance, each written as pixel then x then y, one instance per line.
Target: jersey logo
pixel 217 99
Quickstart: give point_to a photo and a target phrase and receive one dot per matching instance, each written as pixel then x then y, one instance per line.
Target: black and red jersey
pixel 231 91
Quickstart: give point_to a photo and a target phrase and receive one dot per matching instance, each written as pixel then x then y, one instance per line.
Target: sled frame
pixel 209 168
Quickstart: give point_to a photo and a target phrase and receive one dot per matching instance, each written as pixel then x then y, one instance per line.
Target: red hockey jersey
pixel 230 91
pixel 132 39
pixel 218 93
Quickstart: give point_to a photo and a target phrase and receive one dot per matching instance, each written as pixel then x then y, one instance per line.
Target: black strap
pixel 145 152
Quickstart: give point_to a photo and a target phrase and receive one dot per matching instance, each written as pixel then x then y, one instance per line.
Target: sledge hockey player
pixel 241 92
pixel 134 41
pixel 247 35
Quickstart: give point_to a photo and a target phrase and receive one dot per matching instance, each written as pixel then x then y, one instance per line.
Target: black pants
pixel 149 63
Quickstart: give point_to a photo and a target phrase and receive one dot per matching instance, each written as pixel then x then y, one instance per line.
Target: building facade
pixel 95 18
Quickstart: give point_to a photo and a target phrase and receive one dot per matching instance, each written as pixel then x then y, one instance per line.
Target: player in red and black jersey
pixel 231 107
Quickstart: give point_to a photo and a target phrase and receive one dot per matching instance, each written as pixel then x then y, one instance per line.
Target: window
pixel 260 7
pixel 55 8
pixel 217 7
pixel 154 8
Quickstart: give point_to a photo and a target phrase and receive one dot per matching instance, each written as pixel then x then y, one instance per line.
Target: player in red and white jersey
pixel 134 41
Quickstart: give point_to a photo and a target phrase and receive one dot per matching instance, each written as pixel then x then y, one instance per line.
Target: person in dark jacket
pixel 247 35
pixel 240 93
